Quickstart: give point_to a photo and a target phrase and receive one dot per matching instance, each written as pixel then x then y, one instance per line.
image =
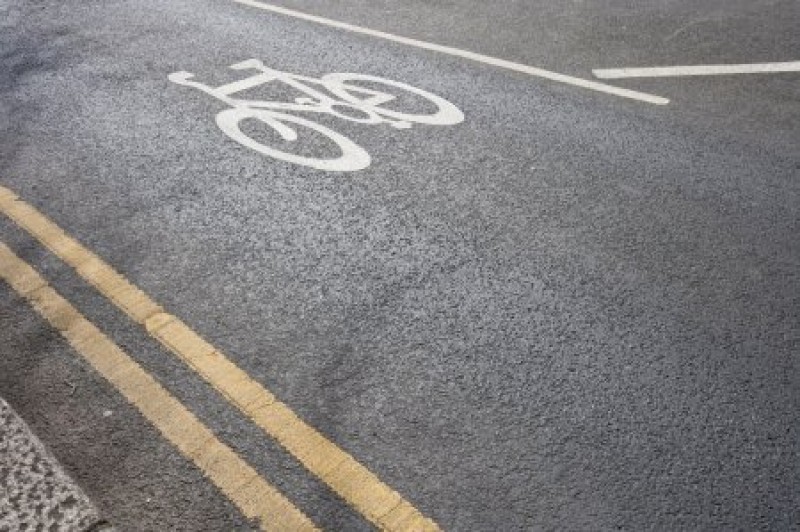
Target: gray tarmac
pixel 570 311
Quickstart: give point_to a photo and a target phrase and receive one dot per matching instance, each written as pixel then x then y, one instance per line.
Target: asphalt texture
pixel 570 311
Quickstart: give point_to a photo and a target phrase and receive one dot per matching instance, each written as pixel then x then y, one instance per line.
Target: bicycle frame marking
pixel 363 106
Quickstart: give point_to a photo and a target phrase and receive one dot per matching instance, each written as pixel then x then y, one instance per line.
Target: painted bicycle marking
pixel 336 94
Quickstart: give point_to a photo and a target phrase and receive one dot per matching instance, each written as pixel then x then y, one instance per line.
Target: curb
pixel 35 491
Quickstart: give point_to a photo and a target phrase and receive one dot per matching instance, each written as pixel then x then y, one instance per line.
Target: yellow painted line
pixel 358 486
pixel 253 495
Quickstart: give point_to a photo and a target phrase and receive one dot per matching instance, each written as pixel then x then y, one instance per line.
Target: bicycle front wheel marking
pixel 353 157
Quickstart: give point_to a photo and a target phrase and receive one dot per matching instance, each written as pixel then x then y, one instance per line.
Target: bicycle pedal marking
pixel 336 94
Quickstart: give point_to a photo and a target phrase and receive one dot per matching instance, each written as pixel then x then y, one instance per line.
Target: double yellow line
pixel 254 496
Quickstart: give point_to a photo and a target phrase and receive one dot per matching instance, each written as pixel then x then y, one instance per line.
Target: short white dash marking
pixel 696 70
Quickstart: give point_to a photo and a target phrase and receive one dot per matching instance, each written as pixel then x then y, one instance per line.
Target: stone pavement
pixel 35 492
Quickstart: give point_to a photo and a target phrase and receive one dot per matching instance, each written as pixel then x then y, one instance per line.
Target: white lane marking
pixel 465 54
pixel 696 70
pixel 362 105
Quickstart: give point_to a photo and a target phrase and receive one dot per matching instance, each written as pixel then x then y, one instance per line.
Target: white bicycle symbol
pixel 355 104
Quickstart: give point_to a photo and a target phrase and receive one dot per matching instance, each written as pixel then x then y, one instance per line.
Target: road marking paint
pixel 358 486
pixel 253 495
pixel 464 54
pixel 696 70
pixel 366 103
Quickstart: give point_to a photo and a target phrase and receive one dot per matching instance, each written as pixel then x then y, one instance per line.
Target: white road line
pixel 697 70
pixel 502 63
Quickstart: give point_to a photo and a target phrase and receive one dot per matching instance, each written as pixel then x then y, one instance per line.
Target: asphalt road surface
pixel 536 304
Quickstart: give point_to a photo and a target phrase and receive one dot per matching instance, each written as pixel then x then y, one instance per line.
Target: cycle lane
pixel 577 38
pixel 376 272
